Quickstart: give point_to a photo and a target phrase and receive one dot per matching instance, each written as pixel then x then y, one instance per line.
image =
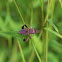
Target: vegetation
pixel 43 47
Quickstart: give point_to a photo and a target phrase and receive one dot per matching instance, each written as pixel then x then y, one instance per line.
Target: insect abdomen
pixel 32 31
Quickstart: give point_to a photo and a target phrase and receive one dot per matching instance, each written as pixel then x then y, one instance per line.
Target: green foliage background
pixel 43 47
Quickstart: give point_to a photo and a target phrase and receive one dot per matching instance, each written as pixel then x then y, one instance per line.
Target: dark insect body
pixel 27 31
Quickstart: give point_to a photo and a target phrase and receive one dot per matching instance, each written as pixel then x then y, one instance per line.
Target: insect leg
pixel 27 38
pixel 25 26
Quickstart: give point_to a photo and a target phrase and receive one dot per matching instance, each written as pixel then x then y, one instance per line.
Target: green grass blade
pixel 32 56
pixel 60 3
pixel 47 43
pixel 51 22
pixel 19 12
pixel 18 36
pixel 57 34
pixel 21 51
pixel 36 53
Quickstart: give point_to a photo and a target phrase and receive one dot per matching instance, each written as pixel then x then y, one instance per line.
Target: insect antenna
pixel 43 26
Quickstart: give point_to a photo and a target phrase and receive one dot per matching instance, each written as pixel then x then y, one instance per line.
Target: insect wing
pixel 22 31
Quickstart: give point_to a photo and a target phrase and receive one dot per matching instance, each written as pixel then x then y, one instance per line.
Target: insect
pixel 28 31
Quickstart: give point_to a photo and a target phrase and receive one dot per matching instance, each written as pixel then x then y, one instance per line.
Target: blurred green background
pixel 43 47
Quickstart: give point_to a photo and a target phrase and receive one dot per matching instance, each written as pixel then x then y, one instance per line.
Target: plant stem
pixel 19 12
pixel 47 43
pixel 21 51
pixel 36 53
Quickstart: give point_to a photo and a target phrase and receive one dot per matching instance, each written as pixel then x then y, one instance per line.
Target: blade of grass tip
pixel 36 53
pixel 51 22
pixel 21 51
pixel 19 11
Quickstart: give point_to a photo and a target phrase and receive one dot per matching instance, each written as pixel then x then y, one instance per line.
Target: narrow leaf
pixel 50 21
pixel 57 34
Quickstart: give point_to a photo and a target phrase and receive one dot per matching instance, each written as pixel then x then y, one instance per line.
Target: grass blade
pixel 60 3
pixel 57 34
pixel 21 51
pixel 36 53
pixel 19 11
pixel 47 43
pixel 18 36
pixel 51 22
